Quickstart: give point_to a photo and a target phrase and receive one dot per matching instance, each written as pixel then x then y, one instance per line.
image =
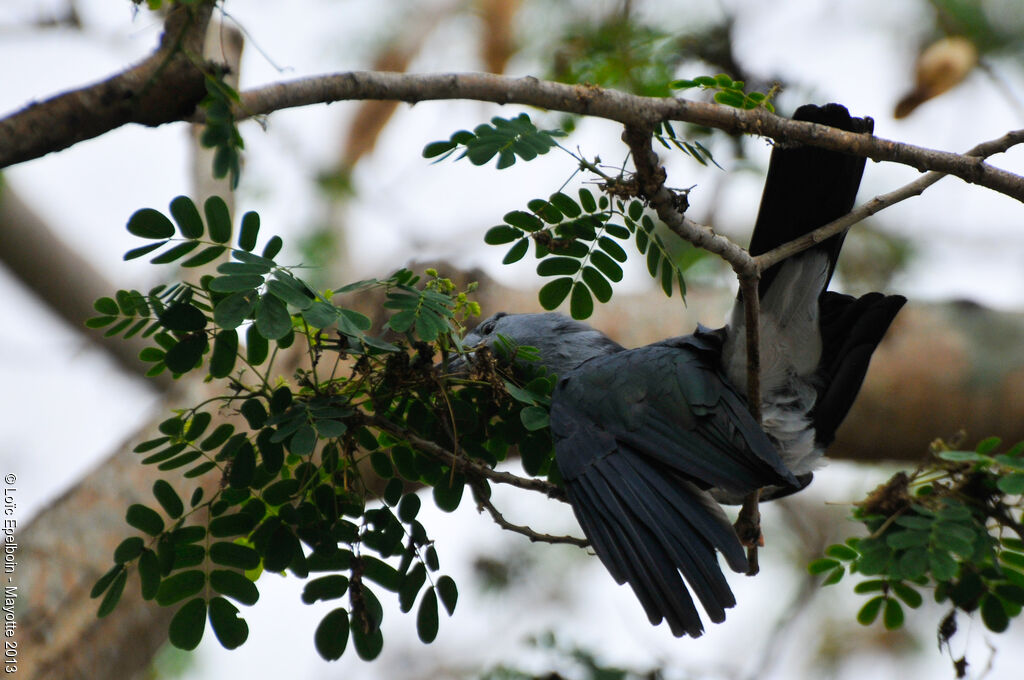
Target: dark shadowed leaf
pixel 188 624
pixel 231 630
pixel 426 618
pixel 149 223
pixel 185 213
pixel 218 219
pixel 331 635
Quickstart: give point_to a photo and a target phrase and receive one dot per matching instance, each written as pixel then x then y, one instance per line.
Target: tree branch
pixel 484 503
pixel 91 111
pixel 879 203
pixel 642 112
pixel 466 464
pixel 164 87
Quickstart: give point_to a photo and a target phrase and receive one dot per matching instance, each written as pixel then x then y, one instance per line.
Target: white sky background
pixel 66 406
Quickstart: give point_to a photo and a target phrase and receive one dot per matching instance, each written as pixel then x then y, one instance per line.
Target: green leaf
pixel 325 588
pixel 411 586
pixel 168 498
pixel 893 617
pixel 175 253
pixel 321 314
pixel 249 231
pixel 960 456
pixel 144 519
pixel 834 576
pixel 426 617
pixel 107 305
pixel 501 234
pixel 1012 484
pixel 993 614
pixel 907 594
pixel 113 595
pixel 231 630
pixel 272 318
pixel 237 524
pixel 606 265
pixel 289 291
pixel 183 317
pixel 136 253
pixel 151 224
pixel 555 266
pixel 188 624
pixel 129 549
pixel 235 585
pixel 331 636
pixel 230 312
pixel 869 612
pixel 566 205
pixel 187 353
pixel 554 292
pixel 179 586
pixel 581 304
pixel 218 218
pixel 303 441
pixel 273 247
pixel 523 220
pixel 914 563
pixel 184 212
pixel 448 492
pixel 149 574
pixel 517 251
pixel 534 418
pixel 433 150
pixel 873 586
pixel 599 286
pixel 217 437
pixel 907 539
pixel 368 641
pixel 225 352
pixel 234 555
pixel 449 593
pixel 842 552
pixel 236 283
pixel 204 256
pixel 282 548
pixel 821 565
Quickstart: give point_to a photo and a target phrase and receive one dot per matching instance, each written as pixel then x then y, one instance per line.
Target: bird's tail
pixel 807 187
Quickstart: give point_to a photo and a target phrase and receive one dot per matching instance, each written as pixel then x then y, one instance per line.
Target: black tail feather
pixel 823 184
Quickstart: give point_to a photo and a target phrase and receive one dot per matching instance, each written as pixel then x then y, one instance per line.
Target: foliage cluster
pixel 294 463
pixel 955 526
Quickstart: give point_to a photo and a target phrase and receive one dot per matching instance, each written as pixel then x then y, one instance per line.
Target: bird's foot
pixel 748 530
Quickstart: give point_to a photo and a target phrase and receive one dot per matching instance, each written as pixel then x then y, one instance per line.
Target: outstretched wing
pixel 639 438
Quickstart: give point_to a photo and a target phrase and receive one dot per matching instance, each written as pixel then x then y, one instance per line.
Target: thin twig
pixel 484 503
pixel 465 464
pixel 879 203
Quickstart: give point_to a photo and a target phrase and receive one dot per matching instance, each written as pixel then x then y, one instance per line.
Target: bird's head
pixel 561 343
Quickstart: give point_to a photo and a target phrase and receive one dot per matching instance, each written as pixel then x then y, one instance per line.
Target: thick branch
pixel 642 112
pixel 91 111
pixel 165 87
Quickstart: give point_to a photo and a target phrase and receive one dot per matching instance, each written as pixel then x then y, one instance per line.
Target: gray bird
pixel 648 439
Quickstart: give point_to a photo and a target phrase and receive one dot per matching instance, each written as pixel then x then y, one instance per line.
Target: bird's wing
pixel 639 437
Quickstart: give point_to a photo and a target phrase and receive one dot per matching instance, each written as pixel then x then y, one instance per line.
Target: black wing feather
pixel 639 436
